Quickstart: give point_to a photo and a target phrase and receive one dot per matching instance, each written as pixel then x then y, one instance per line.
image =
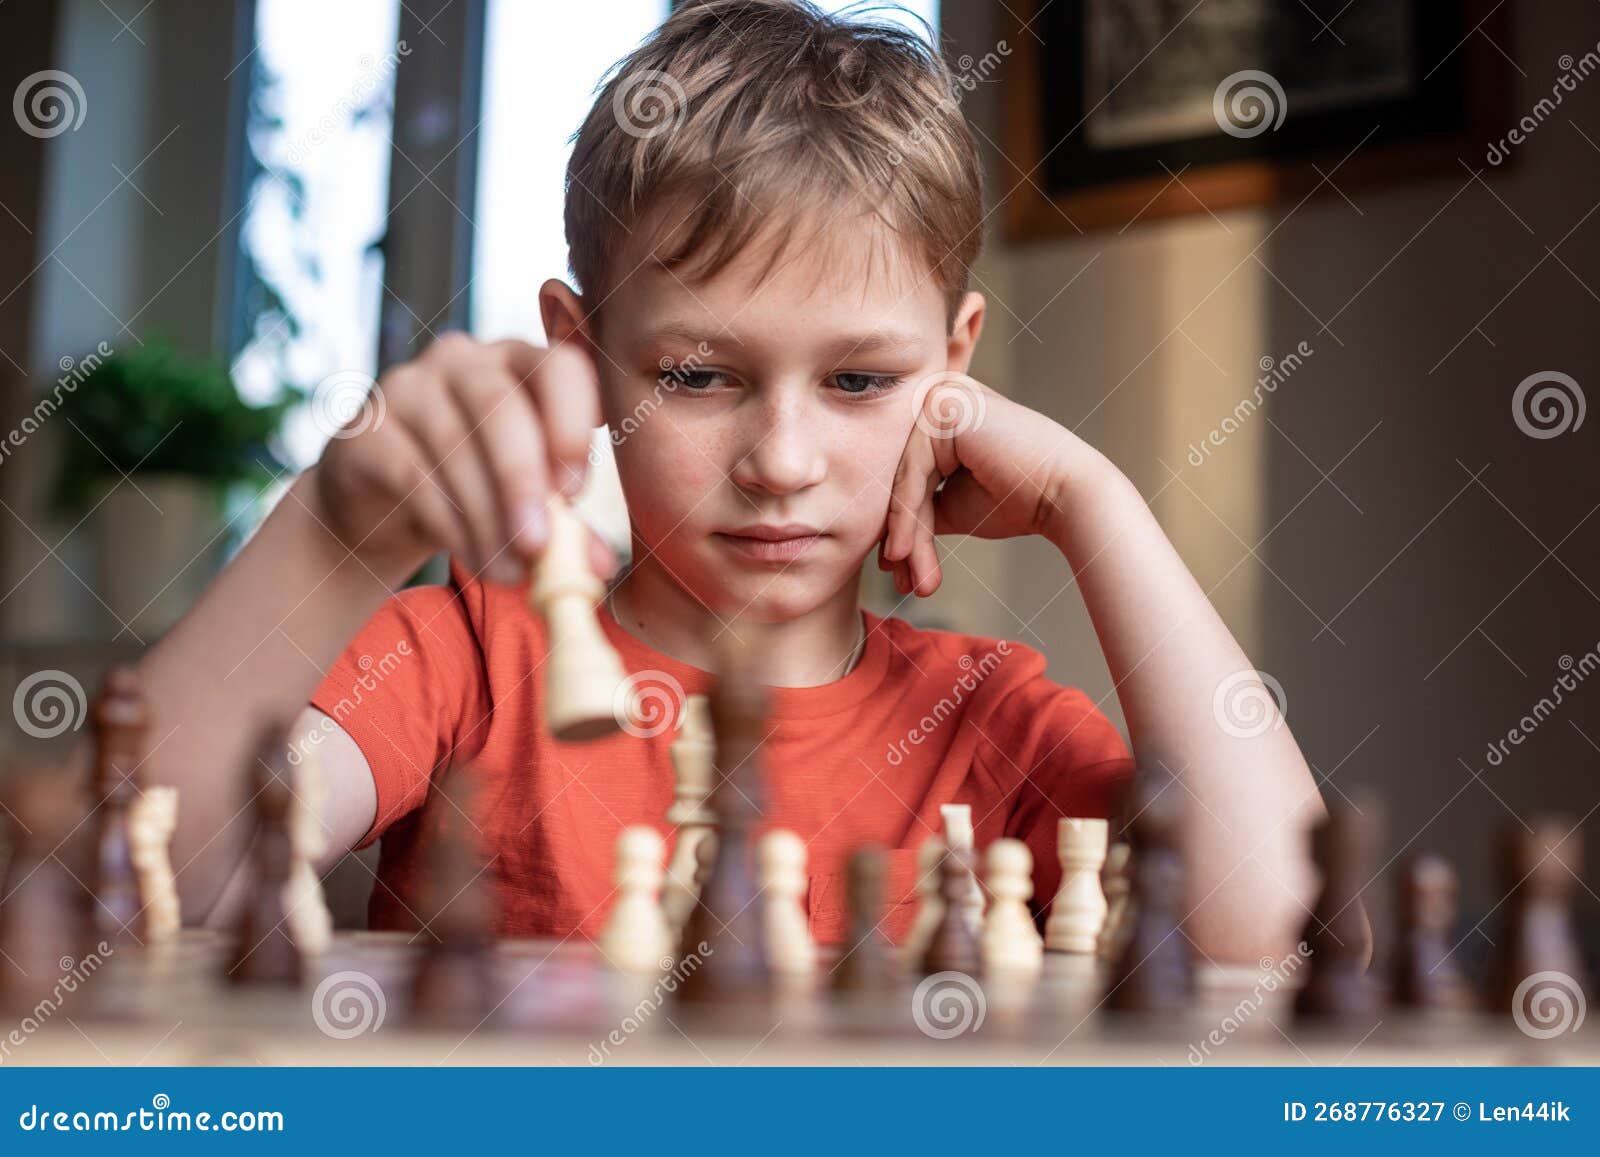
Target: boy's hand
pixel 462 454
pixel 1002 466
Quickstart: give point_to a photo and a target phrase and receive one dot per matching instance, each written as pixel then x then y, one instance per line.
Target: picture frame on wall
pixel 1122 111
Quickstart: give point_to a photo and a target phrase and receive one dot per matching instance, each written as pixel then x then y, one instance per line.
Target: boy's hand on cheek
pixel 1003 468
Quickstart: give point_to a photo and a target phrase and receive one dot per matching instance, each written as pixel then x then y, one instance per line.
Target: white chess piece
pixel 151 821
pixel 1118 894
pixel 1010 941
pixel 636 937
pixel 958 835
pixel 783 881
pixel 305 908
pixel 583 674
pixel 690 812
pixel 1078 912
pixel 931 909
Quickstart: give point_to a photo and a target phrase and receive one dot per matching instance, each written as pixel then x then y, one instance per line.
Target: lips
pixel 766 543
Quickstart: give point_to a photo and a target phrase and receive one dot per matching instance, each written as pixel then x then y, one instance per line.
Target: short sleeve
pixel 403 690
pixel 1065 759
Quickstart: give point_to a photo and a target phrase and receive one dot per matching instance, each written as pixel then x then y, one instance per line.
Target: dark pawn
pixel 953 946
pixel 866 965
pixel 1343 848
pixel 729 917
pixel 1153 971
pixel 1539 870
pixel 1425 971
pixel 121 721
pixel 454 984
pixel 45 929
pixel 264 952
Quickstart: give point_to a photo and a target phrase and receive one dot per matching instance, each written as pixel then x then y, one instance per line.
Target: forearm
pixel 1249 797
pixel 249 653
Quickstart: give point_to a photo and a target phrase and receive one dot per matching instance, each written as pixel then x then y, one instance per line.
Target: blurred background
pixel 1321 277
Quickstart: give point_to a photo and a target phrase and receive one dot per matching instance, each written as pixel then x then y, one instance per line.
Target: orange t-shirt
pixel 451 675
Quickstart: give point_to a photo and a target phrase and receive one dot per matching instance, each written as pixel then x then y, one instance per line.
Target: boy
pixel 771 215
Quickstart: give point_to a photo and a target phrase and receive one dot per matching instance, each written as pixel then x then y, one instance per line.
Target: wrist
pixel 1084 479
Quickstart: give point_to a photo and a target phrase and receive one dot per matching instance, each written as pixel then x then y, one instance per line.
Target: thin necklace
pixel 857 649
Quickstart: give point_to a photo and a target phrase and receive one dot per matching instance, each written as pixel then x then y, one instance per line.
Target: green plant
pixel 153 409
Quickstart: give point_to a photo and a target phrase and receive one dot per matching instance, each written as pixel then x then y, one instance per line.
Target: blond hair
pixel 745 112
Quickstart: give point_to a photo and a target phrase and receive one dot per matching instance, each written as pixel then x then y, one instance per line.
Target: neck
pixel 817 647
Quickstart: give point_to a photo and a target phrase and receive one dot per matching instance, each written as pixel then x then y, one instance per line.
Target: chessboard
pixel 560 1003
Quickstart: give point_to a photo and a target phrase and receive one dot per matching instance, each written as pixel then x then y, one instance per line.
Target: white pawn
pixel 690 813
pixel 931 910
pixel 1078 912
pixel 1010 941
pixel 783 882
pixel 151 822
pixel 636 938
pixel 958 835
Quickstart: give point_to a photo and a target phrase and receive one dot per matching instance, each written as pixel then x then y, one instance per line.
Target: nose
pixel 784 442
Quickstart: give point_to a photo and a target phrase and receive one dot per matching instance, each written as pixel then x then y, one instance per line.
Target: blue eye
pixel 693 380
pixel 866 383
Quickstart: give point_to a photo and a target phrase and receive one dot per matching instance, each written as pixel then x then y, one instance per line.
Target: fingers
pixel 909 539
pixel 565 390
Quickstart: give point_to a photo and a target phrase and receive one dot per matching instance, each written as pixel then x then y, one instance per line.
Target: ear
pixel 564 316
pixel 964 333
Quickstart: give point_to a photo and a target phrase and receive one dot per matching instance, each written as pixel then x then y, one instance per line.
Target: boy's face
pixel 758 423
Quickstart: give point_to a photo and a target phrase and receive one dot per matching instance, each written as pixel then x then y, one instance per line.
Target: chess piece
pixel 584 681
pixel 1114 885
pixel 1153 972
pixel 1425 972
pixel 1078 912
pixel 1343 848
pixel 45 926
pixel 729 917
pixel 865 965
pixel 1011 942
pixel 264 953
pixel 931 904
pixel 121 724
pixel 691 753
pixel 958 835
pixel 454 983
pixel 783 882
pixel 1538 952
pixel 152 818
pixel 953 947
pixel 636 936
pixel 310 922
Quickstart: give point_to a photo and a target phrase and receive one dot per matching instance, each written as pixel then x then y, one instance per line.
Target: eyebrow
pixel 870 342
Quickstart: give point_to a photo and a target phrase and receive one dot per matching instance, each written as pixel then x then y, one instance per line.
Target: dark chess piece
pixel 264 951
pixel 46 933
pixel 1425 974
pixel 953 947
pixel 454 984
pixel 121 721
pixel 1153 971
pixel 729 916
pixel 1538 953
pixel 1343 849
pixel 866 965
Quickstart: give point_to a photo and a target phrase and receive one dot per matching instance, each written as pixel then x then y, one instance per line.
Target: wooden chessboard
pixel 562 1006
